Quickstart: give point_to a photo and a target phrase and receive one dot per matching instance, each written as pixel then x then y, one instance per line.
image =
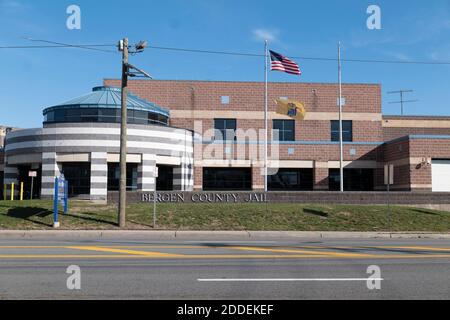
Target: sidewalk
pixel 214 235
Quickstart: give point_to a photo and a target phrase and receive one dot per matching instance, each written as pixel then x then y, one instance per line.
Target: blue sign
pixel 61 197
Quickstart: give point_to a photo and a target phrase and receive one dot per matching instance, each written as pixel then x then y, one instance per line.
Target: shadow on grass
pixel 89 219
pixel 425 211
pixel 27 213
pixel 317 213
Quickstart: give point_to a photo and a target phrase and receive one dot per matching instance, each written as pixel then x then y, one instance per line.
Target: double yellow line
pixel 126 252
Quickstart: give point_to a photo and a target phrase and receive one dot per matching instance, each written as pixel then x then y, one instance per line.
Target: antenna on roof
pixel 402 101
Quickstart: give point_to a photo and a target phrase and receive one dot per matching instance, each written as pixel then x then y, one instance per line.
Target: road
pixel 226 269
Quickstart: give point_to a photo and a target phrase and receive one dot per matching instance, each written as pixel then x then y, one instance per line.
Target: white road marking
pixel 293 280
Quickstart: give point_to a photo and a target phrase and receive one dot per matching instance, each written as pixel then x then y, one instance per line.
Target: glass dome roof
pixel 103 104
pixel 109 97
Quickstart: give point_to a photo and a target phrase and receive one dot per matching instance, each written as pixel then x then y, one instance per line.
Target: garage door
pixel 441 175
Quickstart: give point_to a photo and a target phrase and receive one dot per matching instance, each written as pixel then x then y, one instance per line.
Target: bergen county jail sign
pixel 205 197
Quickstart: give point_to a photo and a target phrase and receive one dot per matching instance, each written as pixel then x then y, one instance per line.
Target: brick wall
pixel 194 101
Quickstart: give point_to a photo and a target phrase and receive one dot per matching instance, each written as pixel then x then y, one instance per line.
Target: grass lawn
pixel 37 215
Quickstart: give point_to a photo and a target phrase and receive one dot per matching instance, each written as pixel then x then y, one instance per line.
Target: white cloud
pixel 265 34
pixel 11 5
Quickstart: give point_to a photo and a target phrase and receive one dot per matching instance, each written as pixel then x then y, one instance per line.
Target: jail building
pixel 208 136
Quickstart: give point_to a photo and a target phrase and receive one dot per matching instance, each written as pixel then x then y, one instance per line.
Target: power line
pixel 228 53
pixel 71 45
pixel 247 54
pixel 83 46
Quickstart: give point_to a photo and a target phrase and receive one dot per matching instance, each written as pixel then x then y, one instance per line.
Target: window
pixel 292 180
pixel 59 115
pixel 347 131
pixel 285 128
pixel 105 115
pixel 225 129
pixel 78 176
pixel 89 115
pixel 164 182
pixel 114 176
pixel 354 179
pixel 108 115
pixel 223 179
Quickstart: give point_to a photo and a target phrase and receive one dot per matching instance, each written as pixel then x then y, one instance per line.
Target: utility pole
pixel 266 111
pixel 123 137
pixel 402 101
pixel 341 138
pixel 128 70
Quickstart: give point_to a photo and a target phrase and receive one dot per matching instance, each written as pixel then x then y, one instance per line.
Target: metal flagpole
pixel 341 160
pixel 266 100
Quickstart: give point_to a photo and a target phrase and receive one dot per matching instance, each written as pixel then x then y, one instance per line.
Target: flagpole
pixel 266 100
pixel 341 144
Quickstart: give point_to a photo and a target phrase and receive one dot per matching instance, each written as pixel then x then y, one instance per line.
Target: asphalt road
pixel 238 270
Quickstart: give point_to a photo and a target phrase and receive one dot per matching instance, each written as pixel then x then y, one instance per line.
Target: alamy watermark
pixel 74 280
pixel 374 20
pixel 74 20
pixel 374 280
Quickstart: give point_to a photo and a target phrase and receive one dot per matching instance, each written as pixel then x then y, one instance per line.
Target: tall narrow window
pixel 285 129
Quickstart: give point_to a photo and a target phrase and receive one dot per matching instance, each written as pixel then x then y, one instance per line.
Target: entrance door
pixel 78 176
pixel 164 182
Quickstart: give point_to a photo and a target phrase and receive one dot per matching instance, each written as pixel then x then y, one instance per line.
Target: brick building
pixel 211 138
pixel 418 147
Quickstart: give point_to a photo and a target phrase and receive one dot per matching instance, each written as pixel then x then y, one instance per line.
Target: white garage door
pixel 441 175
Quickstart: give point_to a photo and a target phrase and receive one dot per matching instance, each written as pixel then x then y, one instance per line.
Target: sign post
pixel 61 197
pixel 388 181
pixel 32 175
pixel 154 199
pixel 55 205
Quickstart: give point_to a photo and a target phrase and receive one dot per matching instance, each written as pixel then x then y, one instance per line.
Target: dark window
pixel 291 180
pixel 222 179
pixel 347 131
pixel 140 117
pixel 60 115
pixel 89 115
pixel 225 129
pixel 50 116
pixel 285 129
pixel 108 115
pixel 105 115
pixel 73 115
pixel 354 180
pixel 164 182
pixel 79 177
pixel 114 177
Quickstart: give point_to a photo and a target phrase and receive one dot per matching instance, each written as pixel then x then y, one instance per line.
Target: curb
pixel 214 235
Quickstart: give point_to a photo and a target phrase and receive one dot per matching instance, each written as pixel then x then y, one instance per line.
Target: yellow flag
pixel 291 108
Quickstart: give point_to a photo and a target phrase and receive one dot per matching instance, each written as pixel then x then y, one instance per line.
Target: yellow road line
pixel 324 253
pixel 129 252
pixel 217 257
pixel 415 248
pixel 105 246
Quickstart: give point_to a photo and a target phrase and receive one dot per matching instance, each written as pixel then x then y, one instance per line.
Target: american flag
pixel 283 64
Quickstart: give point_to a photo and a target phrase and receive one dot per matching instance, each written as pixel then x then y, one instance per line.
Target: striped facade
pixel 98 144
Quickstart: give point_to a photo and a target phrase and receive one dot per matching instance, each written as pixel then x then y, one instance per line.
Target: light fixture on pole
pixel 128 70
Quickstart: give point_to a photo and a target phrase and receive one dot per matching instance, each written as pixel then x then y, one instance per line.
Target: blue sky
pixel 35 78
